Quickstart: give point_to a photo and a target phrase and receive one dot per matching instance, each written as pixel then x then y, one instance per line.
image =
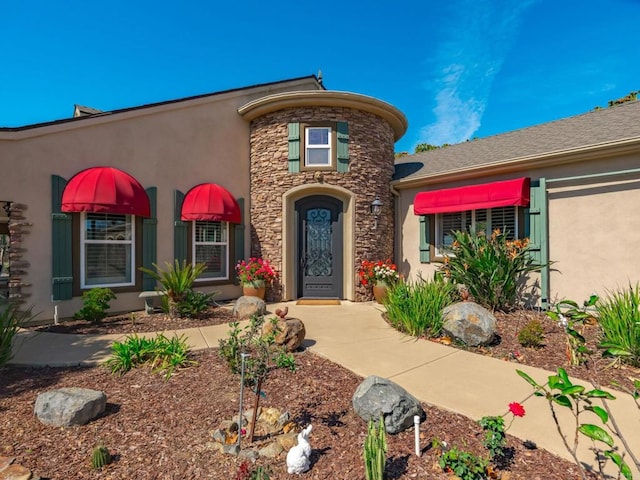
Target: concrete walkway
pixel 355 336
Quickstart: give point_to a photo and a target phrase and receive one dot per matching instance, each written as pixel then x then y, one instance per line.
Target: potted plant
pixel 380 275
pixel 254 275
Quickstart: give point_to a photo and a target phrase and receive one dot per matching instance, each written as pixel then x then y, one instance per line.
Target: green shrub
pixel 95 303
pixel 163 354
pixel 416 307
pixel 495 439
pixel 532 334
pixel 195 303
pixel 464 465
pixel 492 268
pixel 177 280
pixel 619 316
pixel 264 353
pixel 10 320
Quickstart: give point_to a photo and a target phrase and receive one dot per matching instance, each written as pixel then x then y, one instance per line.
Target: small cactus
pixel 375 449
pixel 100 457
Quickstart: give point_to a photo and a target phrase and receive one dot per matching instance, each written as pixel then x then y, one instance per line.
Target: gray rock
pixel 469 323
pixel 247 307
pixel 377 396
pixel 249 454
pixel 69 406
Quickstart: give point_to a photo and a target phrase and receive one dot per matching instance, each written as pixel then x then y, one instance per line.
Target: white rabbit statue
pixel 298 456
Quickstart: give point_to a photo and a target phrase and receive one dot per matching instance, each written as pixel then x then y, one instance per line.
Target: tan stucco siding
pixel 594 227
pixel 173 146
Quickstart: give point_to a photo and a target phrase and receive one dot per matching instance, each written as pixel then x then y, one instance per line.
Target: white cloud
pixel 474 43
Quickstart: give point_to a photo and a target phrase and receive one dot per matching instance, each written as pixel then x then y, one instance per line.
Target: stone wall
pixel 371 166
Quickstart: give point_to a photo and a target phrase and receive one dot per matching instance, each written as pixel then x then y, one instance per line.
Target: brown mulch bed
pixel 160 429
pixel 140 322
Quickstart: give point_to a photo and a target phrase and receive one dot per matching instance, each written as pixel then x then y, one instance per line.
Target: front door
pixel 319 247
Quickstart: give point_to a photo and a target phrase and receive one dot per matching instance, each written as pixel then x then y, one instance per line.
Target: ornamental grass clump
pixel 416 307
pixel 11 318
pixel 492 268
pixel 619 318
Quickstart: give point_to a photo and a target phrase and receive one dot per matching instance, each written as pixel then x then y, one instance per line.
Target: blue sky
pixel 458 69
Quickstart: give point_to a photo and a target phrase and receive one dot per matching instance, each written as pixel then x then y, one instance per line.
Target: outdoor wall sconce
pixel 376 209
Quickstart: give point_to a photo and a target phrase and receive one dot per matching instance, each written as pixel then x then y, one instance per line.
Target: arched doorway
pixel 319 247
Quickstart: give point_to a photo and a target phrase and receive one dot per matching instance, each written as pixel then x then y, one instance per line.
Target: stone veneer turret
pixel 371 166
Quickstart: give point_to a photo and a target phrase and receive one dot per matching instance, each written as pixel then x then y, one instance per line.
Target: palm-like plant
pixel 177 281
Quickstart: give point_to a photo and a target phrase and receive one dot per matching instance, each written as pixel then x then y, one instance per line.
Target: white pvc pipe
pixel 55 315
pixel 416 424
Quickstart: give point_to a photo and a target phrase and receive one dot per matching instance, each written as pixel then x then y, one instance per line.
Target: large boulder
pixel 469 323
pixel 69 406
pixel 290 332
pixel 377 396
pixel 248 306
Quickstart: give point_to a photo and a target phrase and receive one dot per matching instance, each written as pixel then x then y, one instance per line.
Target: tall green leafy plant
pixel 177 281
pixel 559 391
pixel 11 318
pixel 619 317
pixel 375 451
pixel 416 307
pixel 492 268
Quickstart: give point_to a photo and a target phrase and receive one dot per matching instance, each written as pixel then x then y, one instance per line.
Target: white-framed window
pixel 487 220
pixel 317 142
pixel 211 247
pixel 107 244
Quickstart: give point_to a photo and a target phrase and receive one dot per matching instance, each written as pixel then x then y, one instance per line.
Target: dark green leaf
pixel 573 389
pixel 592 301
pixel 562 400
pixel 597 393
pixel 571 303
pixel 562 373
pixel 555 382
pixel 530 380
pixel 622 465
pixel 601 412
pixel 596 433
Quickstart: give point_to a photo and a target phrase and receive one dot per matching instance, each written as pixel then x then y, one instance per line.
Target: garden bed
pixel 162 429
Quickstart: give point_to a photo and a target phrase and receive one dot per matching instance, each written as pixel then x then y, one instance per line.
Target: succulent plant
pixel 100 457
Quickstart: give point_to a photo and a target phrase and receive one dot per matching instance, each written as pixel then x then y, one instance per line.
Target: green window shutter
pixel 536 228
pixel 425 240
pixel 61 244
pixel 149 240
pixel 239 235
pixel 294 147
pixel 180 229
pixel 342 147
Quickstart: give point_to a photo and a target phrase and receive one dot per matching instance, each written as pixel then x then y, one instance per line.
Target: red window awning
pixel 105 190
pixel 210 202
pixel 474 197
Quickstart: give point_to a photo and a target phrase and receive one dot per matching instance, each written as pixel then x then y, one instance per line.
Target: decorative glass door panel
pixel 319 247
pixel 317 261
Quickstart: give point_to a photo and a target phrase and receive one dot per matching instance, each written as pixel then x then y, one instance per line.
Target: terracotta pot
pixel 256 288
pixel 380 291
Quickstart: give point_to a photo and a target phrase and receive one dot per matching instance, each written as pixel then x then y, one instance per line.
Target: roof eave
pixel 559 157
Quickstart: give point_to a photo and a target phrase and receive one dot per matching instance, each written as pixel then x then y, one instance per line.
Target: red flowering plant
pixel 371 272
pixel 255 270
pixel 495 436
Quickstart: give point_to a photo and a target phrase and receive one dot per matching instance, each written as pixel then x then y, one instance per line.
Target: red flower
pixel 516 409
